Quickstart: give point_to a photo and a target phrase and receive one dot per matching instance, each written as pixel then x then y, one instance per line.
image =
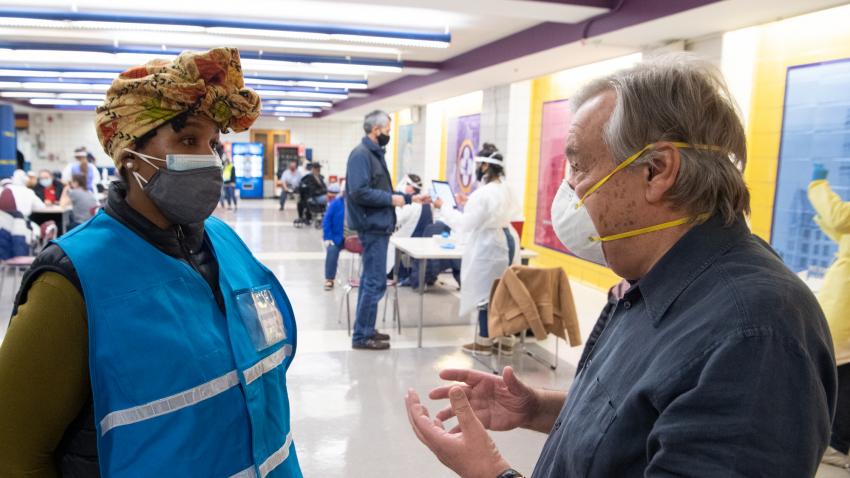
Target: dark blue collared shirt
pixel 717 363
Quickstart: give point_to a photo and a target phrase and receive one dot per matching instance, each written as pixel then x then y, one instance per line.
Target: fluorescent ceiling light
pixel 63 86
pixel 317 67
pixel 309 83
pixel 53 101
pixel 269 33
pixel 295 108
pixel 338 84
pixel 82 96
pixel 300 94
pixel 91 102
pixel 26 94
pixel 86 58
pixel 294 115
pixel 343 67
pixel 390 41
pixel 320 104
pixel 59 74
pixel 205 40
pixel 88 25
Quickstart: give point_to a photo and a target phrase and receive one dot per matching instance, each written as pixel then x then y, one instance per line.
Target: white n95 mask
pixel 574 227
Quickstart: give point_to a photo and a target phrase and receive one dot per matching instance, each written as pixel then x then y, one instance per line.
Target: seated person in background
pixel 81 165
pixel 25 198
pixel 411 220
pixel 48 189
pixel 312 191
pixel 290 179
pixel 81 200
pixel 333 225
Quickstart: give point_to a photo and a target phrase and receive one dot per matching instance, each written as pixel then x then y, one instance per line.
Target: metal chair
pixel 17 265
pixel 353 245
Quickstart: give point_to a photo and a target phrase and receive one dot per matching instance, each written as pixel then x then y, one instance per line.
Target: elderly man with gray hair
pixel 370 210
pixel 716 361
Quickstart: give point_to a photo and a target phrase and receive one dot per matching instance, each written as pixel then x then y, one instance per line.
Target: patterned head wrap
pixel 145 97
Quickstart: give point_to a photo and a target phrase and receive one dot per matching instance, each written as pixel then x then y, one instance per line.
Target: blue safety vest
pixel 180 388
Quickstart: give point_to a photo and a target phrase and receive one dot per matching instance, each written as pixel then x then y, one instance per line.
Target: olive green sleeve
pixel 44 379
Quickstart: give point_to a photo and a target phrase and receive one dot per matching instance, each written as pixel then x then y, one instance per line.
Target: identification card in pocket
pixel 261 316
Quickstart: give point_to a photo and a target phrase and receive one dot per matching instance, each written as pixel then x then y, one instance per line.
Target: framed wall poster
pixel 815 129
pixel 462 143
pixel 556 120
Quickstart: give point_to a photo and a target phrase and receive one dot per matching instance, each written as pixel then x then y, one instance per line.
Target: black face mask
pixel 185 197
pixel 383 139
pixel 479 174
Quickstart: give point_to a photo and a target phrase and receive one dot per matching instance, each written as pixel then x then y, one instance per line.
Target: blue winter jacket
pixel 369 190
pixel 334 221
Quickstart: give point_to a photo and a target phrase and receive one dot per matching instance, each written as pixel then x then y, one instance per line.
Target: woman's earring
pixel 128 165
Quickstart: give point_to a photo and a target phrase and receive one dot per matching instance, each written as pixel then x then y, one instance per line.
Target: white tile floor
pixel 349 418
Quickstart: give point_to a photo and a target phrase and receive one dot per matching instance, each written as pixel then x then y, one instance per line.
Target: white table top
pixel 54 209
pixel 428 248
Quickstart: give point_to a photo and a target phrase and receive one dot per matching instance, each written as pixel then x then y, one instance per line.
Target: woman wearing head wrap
pixel 149 340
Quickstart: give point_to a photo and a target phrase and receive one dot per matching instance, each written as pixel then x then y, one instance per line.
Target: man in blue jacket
pixel 370 204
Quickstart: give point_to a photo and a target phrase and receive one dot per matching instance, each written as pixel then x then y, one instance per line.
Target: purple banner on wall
pixel 461 146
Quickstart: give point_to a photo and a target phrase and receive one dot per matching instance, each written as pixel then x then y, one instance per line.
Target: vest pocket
pixel 160 340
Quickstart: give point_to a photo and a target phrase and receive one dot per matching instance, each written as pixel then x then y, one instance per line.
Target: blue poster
pixel 815 129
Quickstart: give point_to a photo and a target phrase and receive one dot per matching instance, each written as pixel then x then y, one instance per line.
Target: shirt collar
pixel 695 252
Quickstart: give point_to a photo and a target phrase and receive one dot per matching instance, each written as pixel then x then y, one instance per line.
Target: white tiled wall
pixel 53 137
pixel 60 133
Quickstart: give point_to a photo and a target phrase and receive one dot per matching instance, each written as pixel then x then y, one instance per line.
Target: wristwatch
pixel 510 473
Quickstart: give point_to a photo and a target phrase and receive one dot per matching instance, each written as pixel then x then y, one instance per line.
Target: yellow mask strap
pixel 631 159
pixel 658 227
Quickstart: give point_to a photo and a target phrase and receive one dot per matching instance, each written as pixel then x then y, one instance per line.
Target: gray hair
pixel 374 119
pixel 679 98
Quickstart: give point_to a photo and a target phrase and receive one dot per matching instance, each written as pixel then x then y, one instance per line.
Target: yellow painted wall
pixel 813 38
pixel 559 86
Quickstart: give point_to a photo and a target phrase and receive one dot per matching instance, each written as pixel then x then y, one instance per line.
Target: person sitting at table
pixel 82 201
pixel 411 220
pixel 48 189
pixel 491 243
pixel 25 198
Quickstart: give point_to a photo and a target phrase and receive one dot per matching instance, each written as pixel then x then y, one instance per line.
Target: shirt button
pixel 557 425
pixel 627 305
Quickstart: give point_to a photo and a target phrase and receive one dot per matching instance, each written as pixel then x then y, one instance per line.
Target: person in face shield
pixel 716 361
pixel 149 340
pixel 411 219
pixel 490 243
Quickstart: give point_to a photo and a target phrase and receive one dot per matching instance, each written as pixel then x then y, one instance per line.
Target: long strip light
pixel 320 104
pixel 53 101
pixel 66 74
pixel 293 114
pixel 87 20
pixel 30 85
pixel 298 109
pixel 27 94
pixel 29 55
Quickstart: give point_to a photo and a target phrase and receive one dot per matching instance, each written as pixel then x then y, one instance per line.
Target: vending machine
pixel 248 162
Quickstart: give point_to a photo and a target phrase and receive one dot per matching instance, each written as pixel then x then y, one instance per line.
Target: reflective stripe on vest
pixel 194 395
pixel 271 462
